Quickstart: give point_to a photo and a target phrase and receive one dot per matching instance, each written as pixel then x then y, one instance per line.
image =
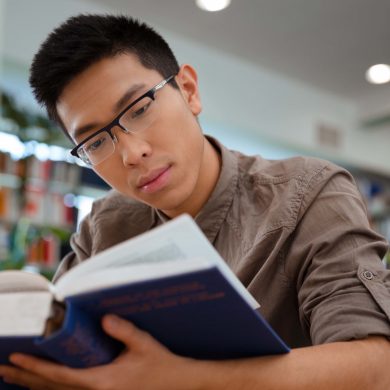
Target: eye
pixel 140 110
pixel 95 145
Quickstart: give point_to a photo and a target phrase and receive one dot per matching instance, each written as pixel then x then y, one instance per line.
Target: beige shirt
pixel 294 231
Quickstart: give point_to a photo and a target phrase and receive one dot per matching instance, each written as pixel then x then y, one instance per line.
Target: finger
pixel 16 376
pixel 122 330
pixel 50 371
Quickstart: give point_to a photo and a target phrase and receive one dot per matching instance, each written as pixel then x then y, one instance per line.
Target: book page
pixel 179 240
pixel 24 313
pixel 129 274
pixel 14 281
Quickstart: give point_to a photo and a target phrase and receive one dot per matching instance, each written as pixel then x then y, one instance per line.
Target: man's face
pixel 163 165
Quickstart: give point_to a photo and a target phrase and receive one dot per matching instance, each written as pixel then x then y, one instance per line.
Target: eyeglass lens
pixel 137 118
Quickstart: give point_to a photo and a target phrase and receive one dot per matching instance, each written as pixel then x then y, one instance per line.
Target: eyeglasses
pixel 137 116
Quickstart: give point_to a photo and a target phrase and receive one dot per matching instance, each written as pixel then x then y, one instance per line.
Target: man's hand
pixel 145 364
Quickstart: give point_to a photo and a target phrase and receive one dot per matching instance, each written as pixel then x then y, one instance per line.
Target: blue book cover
pixel 198 311
pixel 9 345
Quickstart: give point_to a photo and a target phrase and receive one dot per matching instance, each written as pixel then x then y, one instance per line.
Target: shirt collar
pixel 213 213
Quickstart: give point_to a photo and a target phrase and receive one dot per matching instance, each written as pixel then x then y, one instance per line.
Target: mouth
pixel 154 180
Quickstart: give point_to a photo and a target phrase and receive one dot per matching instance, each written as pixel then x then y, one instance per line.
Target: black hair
pixel 83 40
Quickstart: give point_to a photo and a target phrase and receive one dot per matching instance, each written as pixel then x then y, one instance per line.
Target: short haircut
pixel 85 39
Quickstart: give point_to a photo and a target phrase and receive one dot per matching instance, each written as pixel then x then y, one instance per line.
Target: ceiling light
pixel 378 74
pixel 212 5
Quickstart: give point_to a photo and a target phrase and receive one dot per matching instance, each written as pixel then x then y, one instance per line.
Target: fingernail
pixel 111 321
pixel 16 359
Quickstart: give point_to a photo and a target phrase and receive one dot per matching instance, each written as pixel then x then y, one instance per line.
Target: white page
pixel 129 274
pixel 177 241
pixel 13 281
pixel 24 313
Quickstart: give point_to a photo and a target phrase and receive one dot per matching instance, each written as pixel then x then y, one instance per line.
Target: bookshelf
pixel 39 210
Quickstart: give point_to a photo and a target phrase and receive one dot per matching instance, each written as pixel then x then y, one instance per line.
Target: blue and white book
pixel 169 281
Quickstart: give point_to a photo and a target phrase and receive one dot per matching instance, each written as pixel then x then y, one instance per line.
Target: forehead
pixel 93 93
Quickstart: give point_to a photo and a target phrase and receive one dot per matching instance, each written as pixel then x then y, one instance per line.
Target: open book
pixel 169 281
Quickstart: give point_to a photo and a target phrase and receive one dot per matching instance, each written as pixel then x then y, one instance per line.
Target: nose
pixel 132 148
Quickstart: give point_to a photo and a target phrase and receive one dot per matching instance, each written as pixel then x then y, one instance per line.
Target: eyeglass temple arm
pixel 166 81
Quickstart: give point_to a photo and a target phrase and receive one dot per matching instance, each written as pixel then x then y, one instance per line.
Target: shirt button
pixel 368 275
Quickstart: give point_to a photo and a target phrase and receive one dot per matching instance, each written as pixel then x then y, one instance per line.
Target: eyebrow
pixel 128 95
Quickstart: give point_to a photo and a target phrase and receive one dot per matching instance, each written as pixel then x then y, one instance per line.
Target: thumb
pixel 125 331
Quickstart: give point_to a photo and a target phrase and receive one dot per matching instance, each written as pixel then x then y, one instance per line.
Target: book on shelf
pixel 10 166
pixel 169 281
pixel 9 204
pixel 36 208
pixel 43 173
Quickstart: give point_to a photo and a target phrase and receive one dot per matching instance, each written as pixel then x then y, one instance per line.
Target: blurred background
pixel 277 78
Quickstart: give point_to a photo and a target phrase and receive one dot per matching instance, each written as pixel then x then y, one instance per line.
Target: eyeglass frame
pixel 116 121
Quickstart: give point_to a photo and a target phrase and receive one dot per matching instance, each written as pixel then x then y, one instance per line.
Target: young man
pixel 295 231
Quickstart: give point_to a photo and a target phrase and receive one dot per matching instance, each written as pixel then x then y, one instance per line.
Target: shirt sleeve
pixel 343 286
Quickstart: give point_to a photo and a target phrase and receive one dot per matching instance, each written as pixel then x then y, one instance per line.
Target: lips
pixel 151 177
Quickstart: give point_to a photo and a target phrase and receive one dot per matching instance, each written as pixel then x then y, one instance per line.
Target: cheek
pixel 111 175
pixel 185 132
pixel 190 154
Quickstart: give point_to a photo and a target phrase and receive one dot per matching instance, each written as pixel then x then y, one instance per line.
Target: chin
pixel 161 205
pixel 162 201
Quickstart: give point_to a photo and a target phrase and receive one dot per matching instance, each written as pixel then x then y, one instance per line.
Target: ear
pixel 187 79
